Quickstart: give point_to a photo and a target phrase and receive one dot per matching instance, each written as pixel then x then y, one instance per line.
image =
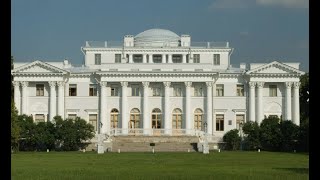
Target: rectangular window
pixel 272 90
pixel 156 91
pixel 239 120
pixel 39 89
pixel 72 90
pixel 177 91
pixel 97 59
pixel 114 91
pixel 216 59
pixel 196 58
pixel 93 121
pixel 39 118
pixel 117 58
pixel 219 122
pixel 72 116
pixel 135 91
pixel 157 58
pixel 177 58
pixel 93 90
pixel 198 91
pixel 219 90
pixel 240 90
pixel 137 58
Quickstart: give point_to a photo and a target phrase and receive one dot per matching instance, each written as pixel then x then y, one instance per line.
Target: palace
pixel 158 83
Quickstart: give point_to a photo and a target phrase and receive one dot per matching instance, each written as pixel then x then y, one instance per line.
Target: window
pixel 177 91
pixel 93 121
pixel 114 118
pixel 117 58
pixel 72 116
pixel 240 90
pixel 156 118
pixel 198 91
pixel 156 91
pixel 97 59
pixel 177 58
pixel 137 58
pixel 93 90
pixel 216 59
pixel 134 118
pixel 157 58
pixel 39 118
pixel 272 90
pixel 239 121
pixel 114 91
pixel 219 90
pixel 196 58
pixel 177 119
pixel 39 89
pixel 72 90
pixel 219 122
pixel 135 91
pixel 198 115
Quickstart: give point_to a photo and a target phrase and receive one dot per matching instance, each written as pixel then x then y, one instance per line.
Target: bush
pixel 251 132
pixel 271 134
pixel 232 139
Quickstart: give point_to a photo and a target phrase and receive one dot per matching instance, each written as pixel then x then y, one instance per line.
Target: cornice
pixel 160 50
pixel 155 74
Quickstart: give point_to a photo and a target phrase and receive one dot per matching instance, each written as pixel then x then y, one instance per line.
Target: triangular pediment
pixel 39 67
pixel 275 68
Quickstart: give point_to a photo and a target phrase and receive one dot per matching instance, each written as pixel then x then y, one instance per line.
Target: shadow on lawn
pixel 296 170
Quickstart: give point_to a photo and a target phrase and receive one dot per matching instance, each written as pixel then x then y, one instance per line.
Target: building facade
pixel 158 83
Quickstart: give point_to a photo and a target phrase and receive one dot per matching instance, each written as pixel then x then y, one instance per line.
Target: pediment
pixel 275 68
pixel 39 67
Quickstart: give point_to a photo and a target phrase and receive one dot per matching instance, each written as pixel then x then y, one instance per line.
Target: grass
pixel 162 166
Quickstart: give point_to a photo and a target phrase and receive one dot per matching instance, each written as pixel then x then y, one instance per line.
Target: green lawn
pixel 224 165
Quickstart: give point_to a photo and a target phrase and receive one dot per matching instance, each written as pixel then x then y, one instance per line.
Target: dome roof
pixel 156 38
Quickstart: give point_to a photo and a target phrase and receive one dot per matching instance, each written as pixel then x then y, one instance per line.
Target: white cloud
pixel 285 3
pixel 222 4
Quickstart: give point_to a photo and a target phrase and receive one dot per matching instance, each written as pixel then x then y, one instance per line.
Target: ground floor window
pixel 156 118
pixel 198 118
pixel 39 118
pixel 114 118
pixel 239 121
pixel 93 120
pixel 219 122
pixel 72 116
pixel 177 119
pixel 134 118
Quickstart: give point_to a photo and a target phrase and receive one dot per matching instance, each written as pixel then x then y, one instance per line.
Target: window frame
pixel 220 87
pixel 157 58
pixel 273 90
pixel 137 58
pixel 93 90
pixel 96 120
pixel 196 58
pixel 177 58
pixel 72 86
pixel 135 90
pixel 38 89
pixel 156 91
pixel 198 93
pixel 220 122
pixel 97 59
pixel 114 91
pixel 240 90
pixel 117 58
pixel 216 59
pixel 176 91
pixel 37 120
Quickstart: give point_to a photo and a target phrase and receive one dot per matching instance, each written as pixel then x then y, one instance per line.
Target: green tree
pixel 28 139
pixel 289 135
pixel 304 96
pixel 15 128
pixel 270 134
pixel 232 139
pixel 251 132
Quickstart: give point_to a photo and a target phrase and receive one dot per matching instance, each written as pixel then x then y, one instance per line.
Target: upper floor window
pixel 114 91
pixel 137 58
pixel 135 91
pixel 240 90
pixel 39 89
pixel 196 58
pixel 177 58
pixel 156 91
pixel 97 59
pixel 177 91
pixel 157 58
pixel 216 59
pixel 72 90
pixel 117 58
pixel 219 90
pixel 93 90
pixel 198 91
pixel 272 90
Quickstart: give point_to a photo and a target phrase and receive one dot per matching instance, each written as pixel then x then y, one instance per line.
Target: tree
pixel 270 133
pixel 15 129
pixel 251 132
pixel 289 135
pixel 304 96
pixel 232 139
pixel 27 140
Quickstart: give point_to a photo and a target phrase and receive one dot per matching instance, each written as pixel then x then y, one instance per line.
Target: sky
pixel 260 31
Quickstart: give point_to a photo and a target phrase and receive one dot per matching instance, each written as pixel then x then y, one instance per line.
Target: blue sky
pixel 258 30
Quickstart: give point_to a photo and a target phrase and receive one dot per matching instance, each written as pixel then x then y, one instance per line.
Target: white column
pixel 296 108
pixel 184 58
pixel 252 97
pixel 209 107
pixel 260 115
pixel 169 58
pixel 130 58
pixel 288 101
pixel 61 99
pixel 53 100
pixel 144 58
pixel 163 58
pixel 103 108
pixel 16 85
pixel 150 58
pixel 167 113
pixel 146 115
pixel 124 113
pixel 187 110
pixel 24 102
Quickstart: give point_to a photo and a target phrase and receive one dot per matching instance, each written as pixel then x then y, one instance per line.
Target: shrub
pixel 232 139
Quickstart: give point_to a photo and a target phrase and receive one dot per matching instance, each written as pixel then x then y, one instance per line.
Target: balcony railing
pixel 155 132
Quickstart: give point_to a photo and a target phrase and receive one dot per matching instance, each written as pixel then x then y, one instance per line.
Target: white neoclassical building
pixel 158 83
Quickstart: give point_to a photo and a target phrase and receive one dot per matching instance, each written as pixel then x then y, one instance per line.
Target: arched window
pixel 156 118
pixel 198 117
pixel 177 119
pixel 134 118
pixel 114 118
